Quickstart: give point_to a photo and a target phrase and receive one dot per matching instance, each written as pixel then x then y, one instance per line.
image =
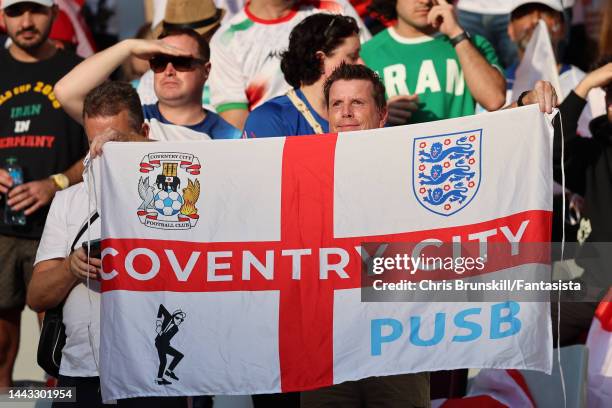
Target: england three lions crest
pixel 169 190
pixel 446 170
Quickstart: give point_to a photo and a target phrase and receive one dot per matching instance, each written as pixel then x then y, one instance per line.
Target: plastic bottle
pixel 14 217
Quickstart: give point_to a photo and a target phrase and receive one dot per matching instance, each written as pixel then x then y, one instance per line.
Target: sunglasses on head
pixel 182 64
pixel 333 21
pixel 20 9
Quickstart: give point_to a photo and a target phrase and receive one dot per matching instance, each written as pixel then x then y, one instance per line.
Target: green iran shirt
pixel 428 67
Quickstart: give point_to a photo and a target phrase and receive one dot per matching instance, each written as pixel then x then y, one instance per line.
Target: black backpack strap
pixel 53 334
pixel 94 217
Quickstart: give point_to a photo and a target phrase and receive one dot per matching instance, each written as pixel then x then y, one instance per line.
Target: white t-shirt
pixel 67 215
pixel 146 88
pixel 486 6
pixel 496 6
pixel 245 55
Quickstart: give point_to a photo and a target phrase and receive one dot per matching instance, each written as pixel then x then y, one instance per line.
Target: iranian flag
pixel 234 266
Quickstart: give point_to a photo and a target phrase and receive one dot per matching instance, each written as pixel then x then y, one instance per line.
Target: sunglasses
pixel 20 9
pixel 345 19
pixel 182 64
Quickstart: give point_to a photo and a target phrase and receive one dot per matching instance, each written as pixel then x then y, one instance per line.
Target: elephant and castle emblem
pixel 446 170
pixel 169 190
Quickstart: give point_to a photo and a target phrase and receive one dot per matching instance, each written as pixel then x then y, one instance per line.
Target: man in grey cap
pixel 48 146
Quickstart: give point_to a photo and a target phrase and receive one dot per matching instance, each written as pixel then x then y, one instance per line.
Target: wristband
pixel 457 39
pixel 519 101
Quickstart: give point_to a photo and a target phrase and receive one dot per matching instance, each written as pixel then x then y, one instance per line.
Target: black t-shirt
pixel 34 128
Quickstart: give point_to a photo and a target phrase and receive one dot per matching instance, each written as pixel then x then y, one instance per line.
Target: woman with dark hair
pixel 317 46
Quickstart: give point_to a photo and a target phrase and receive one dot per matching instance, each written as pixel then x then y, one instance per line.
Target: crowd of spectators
pixel 268 68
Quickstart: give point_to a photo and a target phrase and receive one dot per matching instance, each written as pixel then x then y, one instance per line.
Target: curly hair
pixel 386 9
pixel 319 32
pixel 349 72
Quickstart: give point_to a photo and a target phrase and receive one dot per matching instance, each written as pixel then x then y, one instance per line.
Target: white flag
pixel 538 63
pixel 234 266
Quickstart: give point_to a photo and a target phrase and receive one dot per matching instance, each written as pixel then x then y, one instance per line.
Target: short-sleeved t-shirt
pixel 245 54
pixel 34 128
pixel 212 127
pixel 487 7
pixel 426 66
pixel 81 312
pixel 280 117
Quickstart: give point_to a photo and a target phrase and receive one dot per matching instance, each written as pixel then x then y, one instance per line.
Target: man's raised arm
pixel 74 86
pixel 485 81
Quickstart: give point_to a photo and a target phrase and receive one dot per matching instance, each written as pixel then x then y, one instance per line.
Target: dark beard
pixel 33 46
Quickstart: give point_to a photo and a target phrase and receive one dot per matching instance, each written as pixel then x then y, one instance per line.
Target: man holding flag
pixel 296 320
pixel 355 97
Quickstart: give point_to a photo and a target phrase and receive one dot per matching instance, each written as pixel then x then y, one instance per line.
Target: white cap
pixel 8 3
pixel 556 5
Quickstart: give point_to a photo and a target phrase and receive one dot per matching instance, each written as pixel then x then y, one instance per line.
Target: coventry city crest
pixel 446 170
pixel 168 193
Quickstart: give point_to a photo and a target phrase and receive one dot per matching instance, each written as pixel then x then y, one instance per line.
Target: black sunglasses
pixel 182 64
pixel 20 9
pixel 332 22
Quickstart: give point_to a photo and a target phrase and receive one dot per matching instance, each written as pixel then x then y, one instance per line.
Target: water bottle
pixel 14 170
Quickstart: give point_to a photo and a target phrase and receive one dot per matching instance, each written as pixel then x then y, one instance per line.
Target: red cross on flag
pixel 233 266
